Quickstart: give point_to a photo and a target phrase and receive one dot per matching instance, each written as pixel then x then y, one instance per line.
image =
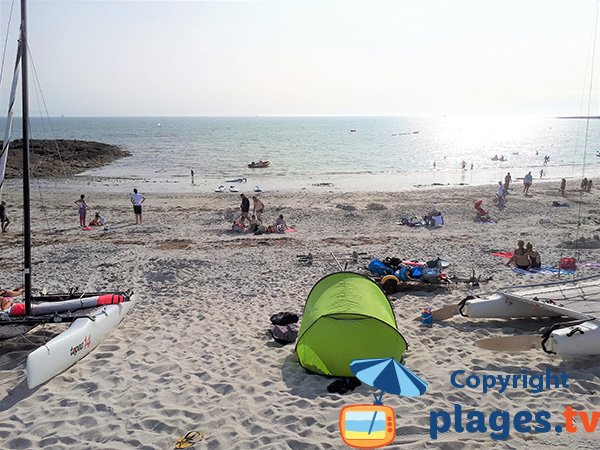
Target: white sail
pixel 9 121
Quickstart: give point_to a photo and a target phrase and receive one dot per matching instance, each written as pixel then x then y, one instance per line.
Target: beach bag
pixel 416 272
pixel 430 275
pixel 568 263
pixel 376 267
pixel 284 318
pixel 402 273
pixel 284 334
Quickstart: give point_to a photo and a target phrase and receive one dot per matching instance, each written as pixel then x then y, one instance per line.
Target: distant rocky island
pixel 61 157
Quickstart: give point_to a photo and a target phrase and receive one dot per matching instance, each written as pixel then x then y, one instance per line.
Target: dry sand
pixel 194 354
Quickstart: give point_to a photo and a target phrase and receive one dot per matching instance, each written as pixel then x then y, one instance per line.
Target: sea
pixel 335 153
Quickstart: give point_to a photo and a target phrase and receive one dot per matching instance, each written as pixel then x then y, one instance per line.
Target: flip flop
pixel 189 439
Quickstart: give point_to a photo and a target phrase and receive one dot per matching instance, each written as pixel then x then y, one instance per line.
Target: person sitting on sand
pixel 253 224
pixel 482 214
pixel 280 224
pixel 535 260
pixel 98 220
pixel 520 256
pixel 238 225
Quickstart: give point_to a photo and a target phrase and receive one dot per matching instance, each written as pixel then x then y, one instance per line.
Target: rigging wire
pixel 585 145
pixel 587 127
pixel 10 14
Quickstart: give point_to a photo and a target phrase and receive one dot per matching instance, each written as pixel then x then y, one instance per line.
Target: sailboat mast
pixel 26 208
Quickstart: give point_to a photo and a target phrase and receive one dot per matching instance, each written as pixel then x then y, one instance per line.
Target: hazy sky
pixel 401 57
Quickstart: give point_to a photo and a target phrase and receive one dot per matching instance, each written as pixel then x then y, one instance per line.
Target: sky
pixel 307 58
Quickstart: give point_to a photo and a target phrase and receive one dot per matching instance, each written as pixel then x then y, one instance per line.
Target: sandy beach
pixel 195 353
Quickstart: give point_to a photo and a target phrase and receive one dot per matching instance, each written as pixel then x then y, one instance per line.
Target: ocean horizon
pixel 350 152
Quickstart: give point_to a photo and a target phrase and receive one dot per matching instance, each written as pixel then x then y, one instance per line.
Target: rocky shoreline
pixel 61 157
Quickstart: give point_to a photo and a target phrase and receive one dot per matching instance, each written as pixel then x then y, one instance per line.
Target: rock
pixel 62 157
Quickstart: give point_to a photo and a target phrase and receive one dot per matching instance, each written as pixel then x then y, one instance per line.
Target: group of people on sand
pixel 136 199
pixel 525 257
pixel 587 185
pixel 255 222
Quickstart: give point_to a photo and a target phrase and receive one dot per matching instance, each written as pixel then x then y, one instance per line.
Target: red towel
pixel 502 254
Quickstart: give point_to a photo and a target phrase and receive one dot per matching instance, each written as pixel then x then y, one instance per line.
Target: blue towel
pixel 544 270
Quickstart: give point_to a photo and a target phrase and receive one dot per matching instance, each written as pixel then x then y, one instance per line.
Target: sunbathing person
pixel 535 260
pixel 520 256
pixel 11 292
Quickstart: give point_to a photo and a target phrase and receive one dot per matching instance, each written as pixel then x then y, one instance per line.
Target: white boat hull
pixel 75 343
pixel 576 340
pixel 502 306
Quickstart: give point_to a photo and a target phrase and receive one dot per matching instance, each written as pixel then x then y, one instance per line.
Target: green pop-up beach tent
pixel 346 317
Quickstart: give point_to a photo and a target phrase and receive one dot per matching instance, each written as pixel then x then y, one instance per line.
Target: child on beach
pixel 82 205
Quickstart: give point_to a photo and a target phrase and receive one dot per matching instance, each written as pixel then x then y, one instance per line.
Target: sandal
pixel 189 439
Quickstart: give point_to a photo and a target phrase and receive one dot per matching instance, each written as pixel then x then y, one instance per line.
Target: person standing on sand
pixel 563 186
pixel 507 180
pixel 245 207
pixel 500 195
pixel 137 200
pixel 527 181
pixel 258 208
pixel 82 205
pixel 3 217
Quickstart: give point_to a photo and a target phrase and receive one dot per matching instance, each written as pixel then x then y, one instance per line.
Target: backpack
pixel 430 275
pixel 376 267
pixel 284 334
pixel 284 318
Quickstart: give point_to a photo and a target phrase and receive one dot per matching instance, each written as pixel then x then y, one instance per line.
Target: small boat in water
pixel 259 164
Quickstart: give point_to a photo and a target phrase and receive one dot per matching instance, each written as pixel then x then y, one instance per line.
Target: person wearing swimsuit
pixel 520 256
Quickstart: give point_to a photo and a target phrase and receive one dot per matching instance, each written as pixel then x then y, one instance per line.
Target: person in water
pixel 520 256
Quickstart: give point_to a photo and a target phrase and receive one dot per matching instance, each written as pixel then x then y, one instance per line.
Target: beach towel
pixel 544 270
pixel 502 254
pixel 591 265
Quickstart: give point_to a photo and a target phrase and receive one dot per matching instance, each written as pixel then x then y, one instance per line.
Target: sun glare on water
pixel 484 131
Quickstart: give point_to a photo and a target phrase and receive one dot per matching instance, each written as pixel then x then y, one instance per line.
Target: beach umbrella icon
pixel 389 376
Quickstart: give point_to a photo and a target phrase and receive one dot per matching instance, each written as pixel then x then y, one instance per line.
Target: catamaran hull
pixel 75 343
pixel 576 340
pixel 501 306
